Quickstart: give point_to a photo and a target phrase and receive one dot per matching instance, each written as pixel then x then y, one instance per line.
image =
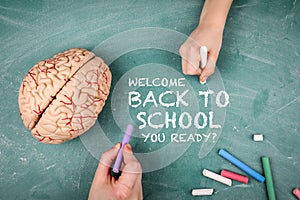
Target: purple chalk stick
pixel 126 138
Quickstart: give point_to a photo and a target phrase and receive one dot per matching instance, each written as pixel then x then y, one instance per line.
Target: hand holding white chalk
pixel 208 33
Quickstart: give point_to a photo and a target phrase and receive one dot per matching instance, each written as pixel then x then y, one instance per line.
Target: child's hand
pixel 203 35
pixel 128 186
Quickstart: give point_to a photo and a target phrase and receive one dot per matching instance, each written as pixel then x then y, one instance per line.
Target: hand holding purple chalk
pixel 129 184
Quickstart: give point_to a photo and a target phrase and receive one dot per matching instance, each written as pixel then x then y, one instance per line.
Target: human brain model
pixel 61 97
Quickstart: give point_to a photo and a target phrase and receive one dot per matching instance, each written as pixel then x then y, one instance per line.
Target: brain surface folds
pixel 61 97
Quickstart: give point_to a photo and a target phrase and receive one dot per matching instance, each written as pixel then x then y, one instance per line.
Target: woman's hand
pixel 203 35
pixel 129 184
pixel 209 33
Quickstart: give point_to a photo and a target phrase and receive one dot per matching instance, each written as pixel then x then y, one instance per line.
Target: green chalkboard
pixel 178 131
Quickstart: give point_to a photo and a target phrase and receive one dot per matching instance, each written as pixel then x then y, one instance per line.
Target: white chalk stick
pixel 258 137
pixel 216 177
pixel 202 192
pixel 203 82
pixel 203 56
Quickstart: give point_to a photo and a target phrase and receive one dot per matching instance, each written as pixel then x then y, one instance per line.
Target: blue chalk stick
pixel 241 165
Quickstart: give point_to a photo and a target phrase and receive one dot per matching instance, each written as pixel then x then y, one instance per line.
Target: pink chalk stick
pixel 296 192
pixel 234 176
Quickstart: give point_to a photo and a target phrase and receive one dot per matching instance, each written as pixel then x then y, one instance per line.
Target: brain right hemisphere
pixel 61 97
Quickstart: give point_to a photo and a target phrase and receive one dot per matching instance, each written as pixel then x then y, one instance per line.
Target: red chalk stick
pixel 234 176
pixel 296 192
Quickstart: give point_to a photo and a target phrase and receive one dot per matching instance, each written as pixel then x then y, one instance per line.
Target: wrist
pixel 211 26
pixel 209 20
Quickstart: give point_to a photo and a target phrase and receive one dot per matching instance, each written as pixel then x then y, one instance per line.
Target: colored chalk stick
pixel 241 165
pixel 269 180
pixel 234 176
pixel 202 192
pixel 296 192
pixel 216 177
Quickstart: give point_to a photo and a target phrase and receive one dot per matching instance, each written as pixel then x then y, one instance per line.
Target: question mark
pixel 214 136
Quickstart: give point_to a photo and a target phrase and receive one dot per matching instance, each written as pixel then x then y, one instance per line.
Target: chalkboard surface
pixel 178 131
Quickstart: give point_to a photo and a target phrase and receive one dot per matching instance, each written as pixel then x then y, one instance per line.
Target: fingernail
pixel 128 148
pixel 203 78
pixel 118 145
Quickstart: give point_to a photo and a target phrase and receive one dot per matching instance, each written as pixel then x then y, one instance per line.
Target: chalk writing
pixel 178 137
pixel 173 100
pixel 171 119
pixel 156 82
pixel 135 100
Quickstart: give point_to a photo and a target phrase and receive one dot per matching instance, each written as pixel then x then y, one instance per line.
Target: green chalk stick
pixel 269 180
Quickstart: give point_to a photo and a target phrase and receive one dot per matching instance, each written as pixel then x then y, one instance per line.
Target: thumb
pixel 106 162
pixel 132 168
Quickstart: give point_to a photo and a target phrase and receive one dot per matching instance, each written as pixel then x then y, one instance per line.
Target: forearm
pixel 214 13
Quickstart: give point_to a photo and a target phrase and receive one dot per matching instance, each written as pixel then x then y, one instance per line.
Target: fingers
pixel 189 52
pixel 106 162
pixel 132 170
pixel 130 180
pixel 190 69
pixel 208 70
pixel 102 175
